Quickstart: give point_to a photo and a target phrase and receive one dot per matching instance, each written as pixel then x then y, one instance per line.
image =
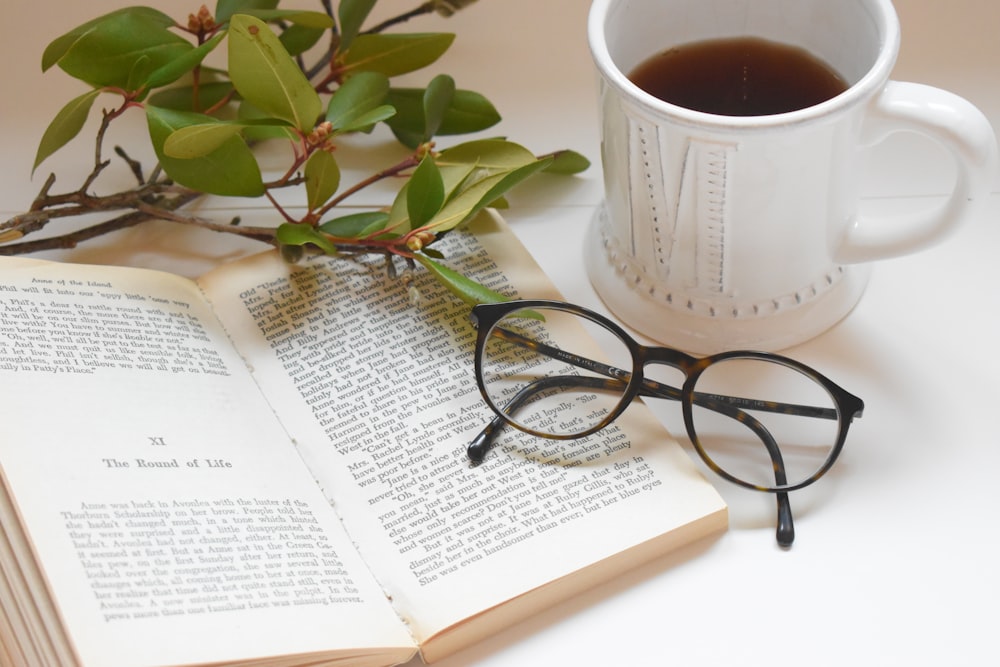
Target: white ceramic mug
pixel 722 232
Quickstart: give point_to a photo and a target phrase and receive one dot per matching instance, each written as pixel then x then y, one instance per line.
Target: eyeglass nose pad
pixel 785 532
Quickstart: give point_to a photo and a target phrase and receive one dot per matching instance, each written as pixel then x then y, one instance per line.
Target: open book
pixel 268 466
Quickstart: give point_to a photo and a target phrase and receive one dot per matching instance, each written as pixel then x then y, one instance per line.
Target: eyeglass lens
pixel 542 392
pixel 749 438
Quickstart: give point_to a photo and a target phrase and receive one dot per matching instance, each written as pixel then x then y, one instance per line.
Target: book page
pixel 172 517
pixel 380 395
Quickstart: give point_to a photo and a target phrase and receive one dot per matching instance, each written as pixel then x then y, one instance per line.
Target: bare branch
pixel 425 8
pixel 165 210
pixel 134 165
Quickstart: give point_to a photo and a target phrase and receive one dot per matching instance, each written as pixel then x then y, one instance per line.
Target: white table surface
pixel 897 550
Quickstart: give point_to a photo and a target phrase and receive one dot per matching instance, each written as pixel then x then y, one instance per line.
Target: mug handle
pixel 963 131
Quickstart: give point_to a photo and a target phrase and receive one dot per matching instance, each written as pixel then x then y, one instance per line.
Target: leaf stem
pixel 411 161
pixel 278 207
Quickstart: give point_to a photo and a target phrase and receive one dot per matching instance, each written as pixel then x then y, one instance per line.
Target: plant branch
pixel 80 203
pixel 35 220
pixel 395 170
pixel 158 197
pixel 134 165
pixel 425 8
pixel 99 162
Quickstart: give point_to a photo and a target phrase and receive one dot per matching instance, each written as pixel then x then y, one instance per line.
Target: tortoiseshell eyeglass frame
pixel 632 382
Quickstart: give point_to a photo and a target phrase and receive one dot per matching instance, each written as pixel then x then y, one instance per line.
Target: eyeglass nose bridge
pixel 653 356
pixel 667 356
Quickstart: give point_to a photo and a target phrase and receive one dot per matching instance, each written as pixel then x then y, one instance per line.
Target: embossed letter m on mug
pixel 732 133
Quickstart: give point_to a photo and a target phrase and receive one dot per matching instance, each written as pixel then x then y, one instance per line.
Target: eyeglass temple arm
pixel 484 441
pixel 785 530
pixel 660 390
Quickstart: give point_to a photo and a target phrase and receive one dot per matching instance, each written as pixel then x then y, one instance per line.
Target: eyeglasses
pixel 759 420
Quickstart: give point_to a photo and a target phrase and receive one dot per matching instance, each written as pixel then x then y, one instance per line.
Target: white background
pixel 896 556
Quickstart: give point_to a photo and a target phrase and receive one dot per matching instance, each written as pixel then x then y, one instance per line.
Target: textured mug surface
pixel 721 232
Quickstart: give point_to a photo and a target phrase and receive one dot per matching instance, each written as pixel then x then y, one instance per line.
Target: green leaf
pixel 260 126
pixel 491 154
pixel 464 288
pixel 395 54
pixel 322 178
pixel 298 39
pixel 229 170
pixel 424 193
pixel 364 122
pixel 66 125
pixel 267 77
pixel 299 234
pixel 180 66
pixel 359 95
pixel 567 162
pixel 225 9
pixel 454 178
pixel 409 139
pixel 199 140
pixel 498 166
pixel 464 205
pixel 58 48
pixel 141 70
pixel 468 112
pixel 356 225
pixel 504 185
pixel 306 19
pixel 437 100
pixel 106 53
pixel 352 15
pixel 399 219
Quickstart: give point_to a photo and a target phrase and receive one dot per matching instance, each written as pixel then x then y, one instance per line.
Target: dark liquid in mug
pixel 743 76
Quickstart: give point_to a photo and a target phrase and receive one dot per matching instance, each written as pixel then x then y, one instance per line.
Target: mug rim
pixel 871 82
